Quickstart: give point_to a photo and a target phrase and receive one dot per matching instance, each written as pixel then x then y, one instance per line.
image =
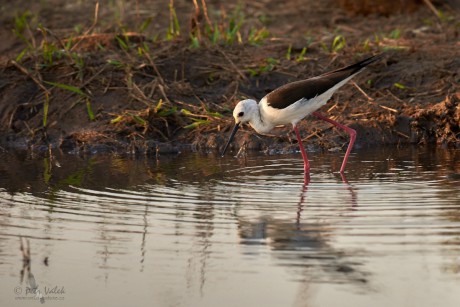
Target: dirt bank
pixel 148 77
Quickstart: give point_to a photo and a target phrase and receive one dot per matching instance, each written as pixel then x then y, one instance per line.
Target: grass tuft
pixel 67 87
pixel 338 43
pixel 174 26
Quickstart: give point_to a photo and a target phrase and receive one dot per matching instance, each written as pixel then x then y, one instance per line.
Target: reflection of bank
pixel 31 284
pixel 303 244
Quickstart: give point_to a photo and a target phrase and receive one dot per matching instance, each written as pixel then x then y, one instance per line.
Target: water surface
pixel 198 230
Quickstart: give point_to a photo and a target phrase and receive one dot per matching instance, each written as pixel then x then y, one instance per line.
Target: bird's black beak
pixel 235 129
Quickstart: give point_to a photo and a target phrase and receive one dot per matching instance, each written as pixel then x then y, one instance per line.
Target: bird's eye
pixel 240 114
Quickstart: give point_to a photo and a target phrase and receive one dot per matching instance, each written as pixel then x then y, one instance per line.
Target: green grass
pixel 224 30
pixel 288 52
pixel 174 26
pixel 395 34
pixel 268 65
pixel 301 56
pixel 199 119
pixel 258 36
pixel 145 24
pixel 67 87
pixel 46 105
pixel 160 110
pixel 123 42
pixel 400 86
pixel 22 26
pixel 337 44
pixel 89 110
pixel 72 89
pixel 228 30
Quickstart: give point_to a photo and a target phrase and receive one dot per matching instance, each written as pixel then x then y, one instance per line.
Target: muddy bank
pixel 101 90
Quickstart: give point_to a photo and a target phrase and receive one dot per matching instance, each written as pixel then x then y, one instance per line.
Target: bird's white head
pixel 245 110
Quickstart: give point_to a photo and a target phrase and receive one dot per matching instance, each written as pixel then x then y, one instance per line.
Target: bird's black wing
pixel 288 94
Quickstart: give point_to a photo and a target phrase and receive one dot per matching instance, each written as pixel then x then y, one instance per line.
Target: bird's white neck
pixel 257 120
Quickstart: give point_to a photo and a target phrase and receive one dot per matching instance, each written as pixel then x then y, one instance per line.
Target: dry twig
pixel 96 14
pixel 238 71
pixel 432 8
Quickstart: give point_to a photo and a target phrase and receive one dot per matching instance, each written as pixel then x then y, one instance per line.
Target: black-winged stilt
pixel 292 102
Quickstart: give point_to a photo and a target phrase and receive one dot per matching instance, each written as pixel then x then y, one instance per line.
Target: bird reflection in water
pixel 31 284
pixel 302 243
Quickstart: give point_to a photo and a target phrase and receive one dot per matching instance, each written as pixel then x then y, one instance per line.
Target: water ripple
pixel 206 222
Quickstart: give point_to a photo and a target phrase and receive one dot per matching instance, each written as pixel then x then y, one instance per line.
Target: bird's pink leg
pixel 306 164
pixel 349 130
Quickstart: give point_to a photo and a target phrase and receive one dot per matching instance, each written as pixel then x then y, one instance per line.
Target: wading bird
pixel 292 102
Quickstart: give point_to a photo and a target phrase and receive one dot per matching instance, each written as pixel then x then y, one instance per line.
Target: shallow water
pixel 198 230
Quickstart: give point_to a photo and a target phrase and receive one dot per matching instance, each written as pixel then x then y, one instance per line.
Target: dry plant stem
pixel 162 84
pixel 155 68
pixel 203 105
pixel 401 134
pixel 388 108
pixel 370 99
pixel 316 133
pixel 29 129
pixel 362 91
pixel 395 97
pixel 32 37
pixel 93 77
pixel 61 44
pixel 96 14
pixel 138 92
pixel 238 71
pixel 242 148
pixel 197 8
pixel 137 13
pixel 196 20
pixel 163 93
pixel 171 17
pixel 205 13
pixel 431 7
pixel 27 73
pixel 187 104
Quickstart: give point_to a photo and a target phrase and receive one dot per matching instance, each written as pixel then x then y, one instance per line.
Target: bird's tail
pixel 354 68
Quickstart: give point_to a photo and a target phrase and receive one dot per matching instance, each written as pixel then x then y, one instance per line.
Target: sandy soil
pixel 86 85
